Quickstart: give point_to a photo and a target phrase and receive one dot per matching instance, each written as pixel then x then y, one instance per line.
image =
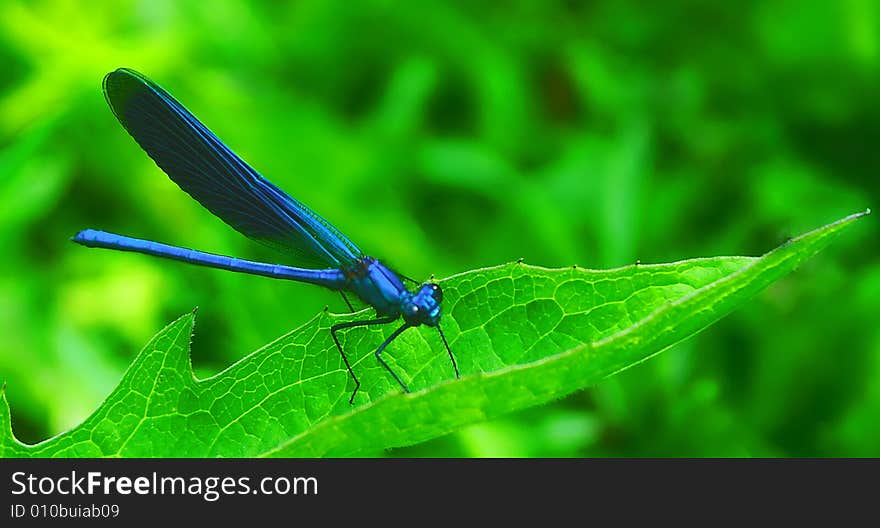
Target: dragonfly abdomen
pixel 333 279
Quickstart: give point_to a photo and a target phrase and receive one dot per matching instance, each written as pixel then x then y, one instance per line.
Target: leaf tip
pixel 851 218
pixel 858 215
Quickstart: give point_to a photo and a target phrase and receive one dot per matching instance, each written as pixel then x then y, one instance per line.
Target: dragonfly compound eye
pixel 432 291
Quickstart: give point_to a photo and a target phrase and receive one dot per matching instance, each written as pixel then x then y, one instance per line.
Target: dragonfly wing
pixel 197 161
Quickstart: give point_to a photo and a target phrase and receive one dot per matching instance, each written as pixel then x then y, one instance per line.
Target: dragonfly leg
pixel 379 350
pixel 344 298
pixel 404 277
pixel 352 324
pixel 449 350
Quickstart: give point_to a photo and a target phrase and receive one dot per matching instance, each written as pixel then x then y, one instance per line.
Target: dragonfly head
pixel 423 307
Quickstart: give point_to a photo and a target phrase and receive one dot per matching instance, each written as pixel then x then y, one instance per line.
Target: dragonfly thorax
pixel 383 289
pixel 422 307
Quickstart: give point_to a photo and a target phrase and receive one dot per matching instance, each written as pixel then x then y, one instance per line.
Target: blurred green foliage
pixel 447 136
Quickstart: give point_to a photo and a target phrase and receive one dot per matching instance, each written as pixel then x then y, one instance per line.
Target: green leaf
pixel 523 335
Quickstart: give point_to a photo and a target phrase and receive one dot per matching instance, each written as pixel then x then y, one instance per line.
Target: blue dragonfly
pixel 206 169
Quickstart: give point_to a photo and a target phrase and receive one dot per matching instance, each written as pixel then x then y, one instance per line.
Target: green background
pixel 443 137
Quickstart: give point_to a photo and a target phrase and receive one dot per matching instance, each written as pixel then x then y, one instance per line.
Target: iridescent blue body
pixel 195 159
pixel 373 282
